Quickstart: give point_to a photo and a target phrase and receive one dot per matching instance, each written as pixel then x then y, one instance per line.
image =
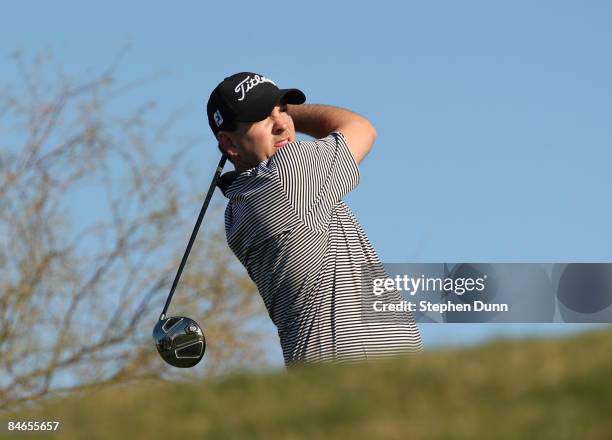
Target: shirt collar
pixel 226 180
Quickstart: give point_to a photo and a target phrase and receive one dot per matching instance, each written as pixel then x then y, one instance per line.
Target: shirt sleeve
pixel 315 176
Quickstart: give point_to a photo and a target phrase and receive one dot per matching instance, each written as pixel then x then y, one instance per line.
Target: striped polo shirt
pixel 306 252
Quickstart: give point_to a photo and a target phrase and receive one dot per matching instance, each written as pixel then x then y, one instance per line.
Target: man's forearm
pixel 318 120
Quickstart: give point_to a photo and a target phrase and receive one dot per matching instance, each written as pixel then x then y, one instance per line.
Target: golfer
pixel 287 224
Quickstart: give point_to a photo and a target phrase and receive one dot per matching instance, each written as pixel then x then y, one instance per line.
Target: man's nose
pixel 280 121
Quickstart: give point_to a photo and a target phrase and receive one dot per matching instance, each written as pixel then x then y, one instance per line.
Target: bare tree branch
pixel 78 299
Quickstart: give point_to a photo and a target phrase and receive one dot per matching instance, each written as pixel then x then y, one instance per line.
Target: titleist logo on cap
pixel 248 83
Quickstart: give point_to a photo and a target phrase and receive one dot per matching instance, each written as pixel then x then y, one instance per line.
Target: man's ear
pixel 227 145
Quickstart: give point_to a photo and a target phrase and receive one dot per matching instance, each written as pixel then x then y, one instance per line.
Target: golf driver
pixel 180 340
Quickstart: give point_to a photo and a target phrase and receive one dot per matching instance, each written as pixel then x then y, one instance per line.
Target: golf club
pixel 180 340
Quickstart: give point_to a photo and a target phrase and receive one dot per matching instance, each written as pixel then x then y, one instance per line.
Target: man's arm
pixel 319 121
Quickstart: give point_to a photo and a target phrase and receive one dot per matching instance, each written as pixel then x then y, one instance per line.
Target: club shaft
pixel 211 191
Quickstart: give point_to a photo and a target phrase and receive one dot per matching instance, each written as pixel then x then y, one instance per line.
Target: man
pixel 287 224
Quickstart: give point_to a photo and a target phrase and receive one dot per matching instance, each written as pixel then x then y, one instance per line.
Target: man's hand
pixel 319 121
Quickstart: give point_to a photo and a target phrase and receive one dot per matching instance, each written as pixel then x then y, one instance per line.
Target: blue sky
pixel 494 118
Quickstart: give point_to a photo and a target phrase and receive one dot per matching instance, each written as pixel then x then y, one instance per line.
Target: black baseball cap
pixel 246 97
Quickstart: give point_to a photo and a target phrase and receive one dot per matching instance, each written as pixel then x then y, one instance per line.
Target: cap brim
pixel 292 96
pixel 286 96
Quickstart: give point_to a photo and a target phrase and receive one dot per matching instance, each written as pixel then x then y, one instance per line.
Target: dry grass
pixel 509 389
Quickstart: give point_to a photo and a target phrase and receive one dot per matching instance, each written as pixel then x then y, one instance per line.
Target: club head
pixel 180 341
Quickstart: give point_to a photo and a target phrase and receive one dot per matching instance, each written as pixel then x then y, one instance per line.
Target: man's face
pixel 254 142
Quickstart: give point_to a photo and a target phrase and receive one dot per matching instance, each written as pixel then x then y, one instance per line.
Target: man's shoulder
pixel 251 181
pixel 305 154
pixel 329 140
